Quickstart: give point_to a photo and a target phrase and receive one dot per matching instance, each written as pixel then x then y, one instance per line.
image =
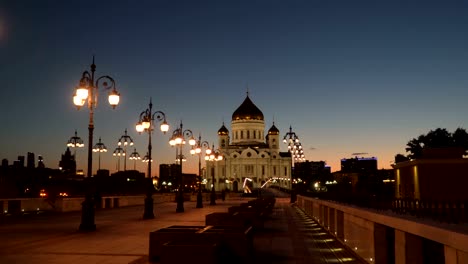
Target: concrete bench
pixel 159 237
pixel 233 242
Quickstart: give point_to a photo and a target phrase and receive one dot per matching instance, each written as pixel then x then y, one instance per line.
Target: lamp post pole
pixel 87 92
pixel 145 123
pixel 197 149
pixel 297 153
pixel 178 138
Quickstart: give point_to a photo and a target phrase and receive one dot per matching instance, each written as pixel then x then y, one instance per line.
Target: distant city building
pixel 359 165
pixel 308 172
pixel 168 174
pixel 249 156
pixel 31 160
pixel 4 163
pixel 20 162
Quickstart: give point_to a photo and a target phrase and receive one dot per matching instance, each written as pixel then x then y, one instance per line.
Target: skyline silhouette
pixel 360 77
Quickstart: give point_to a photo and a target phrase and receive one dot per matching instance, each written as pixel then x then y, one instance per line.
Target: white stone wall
pixel 256 127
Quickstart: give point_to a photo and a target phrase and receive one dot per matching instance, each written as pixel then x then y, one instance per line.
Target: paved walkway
pixel 122 236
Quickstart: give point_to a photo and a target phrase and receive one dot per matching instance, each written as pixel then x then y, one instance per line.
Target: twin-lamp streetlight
pixel 134 156
pixel 213 156
pixel 87 92
pixel 125 140
pixel 197 149
pixel 99 147
pixel 178 139
pixel 145 124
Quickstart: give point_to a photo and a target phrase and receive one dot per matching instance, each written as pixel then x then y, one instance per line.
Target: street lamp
pixel 124 141
pixel 297 154
pixel 99 147
pixel 87 92
pixel 213 156
pixel 145 123
pixel 75 142
pixel 178 139
pixel 146 158
pixel 134 156
pixel 197 149
pixel 118 151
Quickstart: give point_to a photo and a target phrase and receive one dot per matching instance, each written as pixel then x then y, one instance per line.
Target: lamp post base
pixel 87 215
pixel 180 203
pixel 213 198
pixel 148 214
pixel 199 200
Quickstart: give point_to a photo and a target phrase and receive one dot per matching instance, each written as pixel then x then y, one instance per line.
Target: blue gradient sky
pixel 348 76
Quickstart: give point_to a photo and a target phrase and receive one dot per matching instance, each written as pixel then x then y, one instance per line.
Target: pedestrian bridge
pixel 385 237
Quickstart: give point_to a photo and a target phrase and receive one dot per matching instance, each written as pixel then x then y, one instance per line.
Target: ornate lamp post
pixel 99 147
pixel 118 151
pixel 197 149
pixel 145 123
pixel 297 154
pixel 178 138
pixel 87 92
pixel 213 156
pixel 124 141
pixel 134 156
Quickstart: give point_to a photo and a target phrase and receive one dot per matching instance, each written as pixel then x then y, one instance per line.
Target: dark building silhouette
pixel 20 162
pixel 68 163
pixel 4 163
pixel 40 162
pixel 307 172
pixel 359 165
pixel 168 176
pixel 30 163
pixel 103 173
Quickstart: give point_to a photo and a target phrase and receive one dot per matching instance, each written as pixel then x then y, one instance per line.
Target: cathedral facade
pixel 251 158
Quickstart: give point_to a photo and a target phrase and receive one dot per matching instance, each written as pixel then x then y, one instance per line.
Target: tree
pixel 438 138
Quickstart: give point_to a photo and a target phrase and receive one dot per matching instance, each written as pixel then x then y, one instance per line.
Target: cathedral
pixel 251 159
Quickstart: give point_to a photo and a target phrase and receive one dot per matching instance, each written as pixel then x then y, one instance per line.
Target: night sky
pixel 348 76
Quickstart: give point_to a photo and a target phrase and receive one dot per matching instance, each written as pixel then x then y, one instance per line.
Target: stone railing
pixel 384 236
